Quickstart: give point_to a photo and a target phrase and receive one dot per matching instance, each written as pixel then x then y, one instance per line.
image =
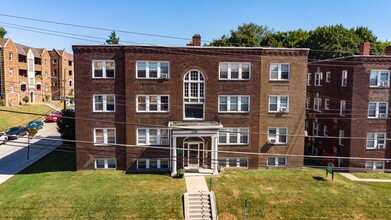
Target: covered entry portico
pixel 193 146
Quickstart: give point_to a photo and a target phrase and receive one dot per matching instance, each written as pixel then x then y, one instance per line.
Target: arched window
pixel 23 87
pixel 194 95
pixel 70 82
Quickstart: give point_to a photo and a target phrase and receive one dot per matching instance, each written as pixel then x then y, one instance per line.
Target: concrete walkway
pixel 196 184
pixel 354 178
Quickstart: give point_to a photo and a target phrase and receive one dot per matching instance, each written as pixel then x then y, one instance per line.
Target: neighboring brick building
pixel 24 71
pixel 62 74
pixel 348 97
pixel 195 104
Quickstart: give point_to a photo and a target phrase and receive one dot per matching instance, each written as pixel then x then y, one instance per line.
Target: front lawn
pixel 49 190
pixel 11 119
pixel 299 194
pixel 373 175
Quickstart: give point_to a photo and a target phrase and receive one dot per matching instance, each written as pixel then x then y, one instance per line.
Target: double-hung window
pixel 234 104
pixel 315 127
pixel 377 109
pixel 307 102
pixel 326 104
pixel 152 103
pixel 325 130
pixel 152 163
pixel 344 80
pixel 318 79
pixel 153 69
pixel 374 165
pixel 308 79
pixel 278 103
pixel 103 69
pixel 104 103
pixel 379 78
pixel 152 136
pixel 279 71
pixel 342 108
pixel 317 103
pixel 234 136
pixel 276 161
pixel 278 135
pixel 105 163
pixel 234 71
pixel 104 136
pixel 341 138
pixel 376 141
pixel 328 76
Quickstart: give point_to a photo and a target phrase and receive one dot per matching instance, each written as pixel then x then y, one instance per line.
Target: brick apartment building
pixel 62 75
pixel 24 71
pixel 348 99
pixel 188 107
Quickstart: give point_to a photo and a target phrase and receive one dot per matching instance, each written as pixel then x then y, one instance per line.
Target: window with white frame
pixel 152 103
pixel 379 78
pixel 234 71
pixel 328 76
pixel 234 103
pixel 377 110
pixel 318 79
pixel 11 72
pixel 278 135
pixel 307 102
pixel 341 138
pixel 279 71
pixel 278 103
pixel 194 95
pixel 376 141
pixel 315 127
pixel 105 163
pixel 342 108
pixel 103 136
pixel 233 162
pixel 308 79
pixel 234 136
pixel 104 103
pixel 153 69
pixel 152 136
pixel 103 69
pixel 327 104
pixel 11 55
pixel 344 80
pixel 374 165
pixel 317 103
pixel 161 163
pixel 325 130
pixel 276 161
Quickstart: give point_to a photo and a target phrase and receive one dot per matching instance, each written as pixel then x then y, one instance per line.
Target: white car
pixel 3 138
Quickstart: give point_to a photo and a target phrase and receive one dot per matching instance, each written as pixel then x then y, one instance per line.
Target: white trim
pixel 344 79
pixel 104 102
pixel 106 164
pixel 105 136
pixel 318 79
pixel 376 140
pixel 342 108
pixel 240 70
pixel 104 75
pixel 378 115
pixel 277 135
pixel 198 98
pixel 326 104
pixel 148 163
pixel 374 163
pixel 148 104
pixel 378 76
pixel 158 71
pixel 328 77
pixel 229 131
pixel 279 72
pixel 158 136
pixel 276 161
pixel 279 103
pixel 308 79
pixel 239 103
pixel 341 138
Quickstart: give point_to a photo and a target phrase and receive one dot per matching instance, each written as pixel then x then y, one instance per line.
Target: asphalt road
pixel 13 154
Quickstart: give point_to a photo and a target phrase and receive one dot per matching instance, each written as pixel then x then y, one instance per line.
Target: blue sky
pixel 182 18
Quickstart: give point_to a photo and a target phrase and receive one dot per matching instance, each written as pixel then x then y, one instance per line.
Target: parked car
pixel 51 118
pixel 16 132
pixel 37 124
pixel 3 138
pixel 58 114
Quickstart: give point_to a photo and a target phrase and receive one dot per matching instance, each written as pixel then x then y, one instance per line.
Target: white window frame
pixel 374 163
pixel 276 139
pixel 104 75
pixel 189 99
pixel 315 127
pixel 104 102
pixel 342 108
pixel 377 111
pixel 158 136
pixel 240 70
pixel 308 79
pixel 105 136
pixel 378 77
pixel 344 79
pixel 317 104
pixel 341 138
pixel 239 103
pixel 105 163
pixel 328 77
pixel 325 130
pixel 147 103
pixel 238 132
pixel 148 163
pixel 279 72
pixel 376 140
pixel 225 161
pixel 318 79
pixel 279 103
pixel 327 104
pixel 307 102
pixel 158 74
pixel 276 162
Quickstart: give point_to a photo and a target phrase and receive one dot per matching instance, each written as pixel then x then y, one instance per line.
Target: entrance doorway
pixel 32 97
pixel 193 154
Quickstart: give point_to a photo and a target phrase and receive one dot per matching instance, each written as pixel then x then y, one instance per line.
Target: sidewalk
pixel 196 184
pixel 354 178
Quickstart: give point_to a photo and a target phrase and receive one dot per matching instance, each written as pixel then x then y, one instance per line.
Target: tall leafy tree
pixel 113 39
pixel 66 125
pixel 3 32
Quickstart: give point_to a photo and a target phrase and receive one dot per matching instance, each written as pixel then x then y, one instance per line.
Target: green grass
pixel 373 175
pixel 40 192
pixel 299 194
pixel 10 119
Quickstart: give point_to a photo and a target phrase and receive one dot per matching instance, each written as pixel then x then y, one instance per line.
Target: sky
pixel 178 20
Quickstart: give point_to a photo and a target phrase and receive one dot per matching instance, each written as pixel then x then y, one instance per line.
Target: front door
pixel 193 155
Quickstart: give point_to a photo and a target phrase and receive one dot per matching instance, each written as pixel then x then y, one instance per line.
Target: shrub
pixel 26 99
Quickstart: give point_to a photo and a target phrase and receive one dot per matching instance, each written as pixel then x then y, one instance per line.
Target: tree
pixel 66 125
pixel 3 32
pixel 113 39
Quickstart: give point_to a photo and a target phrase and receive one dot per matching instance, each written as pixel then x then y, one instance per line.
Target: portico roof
pixel 192 125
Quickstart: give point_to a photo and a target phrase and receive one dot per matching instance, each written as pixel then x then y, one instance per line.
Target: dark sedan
pixel 15 132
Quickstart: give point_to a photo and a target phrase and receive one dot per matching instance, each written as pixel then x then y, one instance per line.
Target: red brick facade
pixel 62 75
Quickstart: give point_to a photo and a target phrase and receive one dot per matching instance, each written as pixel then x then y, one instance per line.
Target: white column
pixel 174 158
pixel 214 156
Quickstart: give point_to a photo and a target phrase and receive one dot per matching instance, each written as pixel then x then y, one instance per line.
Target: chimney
pixel 388 50
pixel 196 41
pixel 365 49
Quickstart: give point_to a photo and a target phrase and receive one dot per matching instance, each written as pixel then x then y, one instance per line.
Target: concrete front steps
pixel 199 205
